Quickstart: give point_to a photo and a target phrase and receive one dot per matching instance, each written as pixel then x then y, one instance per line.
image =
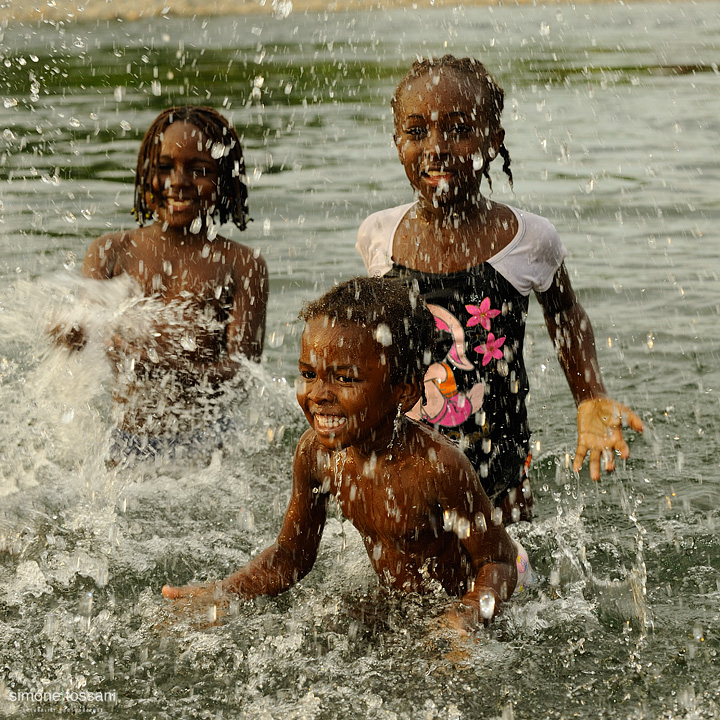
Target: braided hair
pixel 222 140
pixel 491 95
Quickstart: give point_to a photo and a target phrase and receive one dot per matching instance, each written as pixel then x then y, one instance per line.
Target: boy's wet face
pixel 442 135
pixel 344 387
pixel 186 177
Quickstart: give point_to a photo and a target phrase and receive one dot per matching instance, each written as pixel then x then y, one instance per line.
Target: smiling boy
pixel 413 496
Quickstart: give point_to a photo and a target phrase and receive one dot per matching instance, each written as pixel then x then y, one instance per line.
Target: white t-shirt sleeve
pixel 375 238
pixel 536 253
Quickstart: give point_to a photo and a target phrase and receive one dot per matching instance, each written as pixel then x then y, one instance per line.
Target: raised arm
pixel 599 418
pixel 293 554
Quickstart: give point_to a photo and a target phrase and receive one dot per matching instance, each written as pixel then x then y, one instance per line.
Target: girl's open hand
pixel 600 422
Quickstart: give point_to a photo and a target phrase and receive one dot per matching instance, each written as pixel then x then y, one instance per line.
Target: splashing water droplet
pixel 383 335
pixel 487 606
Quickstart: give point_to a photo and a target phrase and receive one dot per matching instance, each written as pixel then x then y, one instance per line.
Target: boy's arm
pixel 470 514
pixel 599 418
pixel 293 554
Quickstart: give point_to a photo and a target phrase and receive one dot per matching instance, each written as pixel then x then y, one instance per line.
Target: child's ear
pixel 407 395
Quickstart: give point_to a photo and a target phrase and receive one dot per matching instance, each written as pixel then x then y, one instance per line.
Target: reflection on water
pixel 611 118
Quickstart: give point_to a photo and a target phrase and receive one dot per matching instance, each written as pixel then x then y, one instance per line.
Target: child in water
pixel 475 262
pixel 207 294
pixel 413 496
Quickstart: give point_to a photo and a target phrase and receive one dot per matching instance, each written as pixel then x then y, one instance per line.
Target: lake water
pixel 612 123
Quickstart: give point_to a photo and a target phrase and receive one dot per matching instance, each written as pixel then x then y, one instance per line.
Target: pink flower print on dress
pixel 481 314
pixel 491 349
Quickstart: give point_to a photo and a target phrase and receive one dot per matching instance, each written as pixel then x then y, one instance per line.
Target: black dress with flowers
pixel 476 390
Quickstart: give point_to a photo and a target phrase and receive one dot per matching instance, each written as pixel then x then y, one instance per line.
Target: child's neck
pixel 450 216
pixel 386 445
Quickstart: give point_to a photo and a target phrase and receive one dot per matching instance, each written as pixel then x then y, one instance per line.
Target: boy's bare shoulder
pixel 435 444
pixel 311 458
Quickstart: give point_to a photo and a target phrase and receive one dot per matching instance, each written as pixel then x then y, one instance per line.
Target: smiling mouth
pixel 436 177
pixel 178 206
pixel 329 424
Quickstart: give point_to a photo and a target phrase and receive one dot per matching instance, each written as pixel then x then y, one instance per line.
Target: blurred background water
pixel 612 124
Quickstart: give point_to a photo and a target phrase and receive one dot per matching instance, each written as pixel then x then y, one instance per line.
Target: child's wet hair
pixel 493 96
pixel 232 195
pixel 395 314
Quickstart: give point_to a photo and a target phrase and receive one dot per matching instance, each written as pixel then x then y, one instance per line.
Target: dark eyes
pixel 421 131
pixel 342 379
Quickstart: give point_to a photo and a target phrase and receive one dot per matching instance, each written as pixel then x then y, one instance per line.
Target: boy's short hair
pixel 397 314
pixel 232 195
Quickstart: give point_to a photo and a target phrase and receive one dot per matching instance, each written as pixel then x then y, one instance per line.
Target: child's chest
pixel 181 277
pixel 386 507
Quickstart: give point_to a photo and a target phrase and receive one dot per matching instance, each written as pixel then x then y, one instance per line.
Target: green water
pixel 612 125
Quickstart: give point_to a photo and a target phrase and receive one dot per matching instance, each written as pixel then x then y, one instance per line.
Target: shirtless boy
pixel 413 495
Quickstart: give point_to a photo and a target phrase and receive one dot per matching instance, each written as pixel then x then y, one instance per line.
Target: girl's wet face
pixel 186 177
pixel 344 387
pixel 443 136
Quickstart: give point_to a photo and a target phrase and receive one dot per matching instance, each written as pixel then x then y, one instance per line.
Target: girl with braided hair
pixel 207 294
pixel 475 262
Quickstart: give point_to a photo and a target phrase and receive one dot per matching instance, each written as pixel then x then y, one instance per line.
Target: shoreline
pixel 82 10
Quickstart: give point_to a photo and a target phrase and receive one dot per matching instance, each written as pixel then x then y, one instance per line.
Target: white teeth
pixel 329 422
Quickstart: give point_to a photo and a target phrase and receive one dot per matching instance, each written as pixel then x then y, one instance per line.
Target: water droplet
pixel 86 213
pixel 125 125
pixel 10 102
pixel 383 335
pixel 8 135
pixel 119 94
pixel 487 605
pixel 156 88
pixel 187 342
pixel 68 415
pixel 218 150
pixel 196 225
pixel 69 217
pixel 246 520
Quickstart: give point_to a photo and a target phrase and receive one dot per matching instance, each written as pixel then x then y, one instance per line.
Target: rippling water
pixel 612 124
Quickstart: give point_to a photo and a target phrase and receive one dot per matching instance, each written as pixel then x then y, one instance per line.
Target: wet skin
pixel 412 495
pixel 445 138
pixel 213 290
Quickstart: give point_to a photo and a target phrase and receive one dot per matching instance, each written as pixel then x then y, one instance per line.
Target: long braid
pixel 493 98
pixel 232 195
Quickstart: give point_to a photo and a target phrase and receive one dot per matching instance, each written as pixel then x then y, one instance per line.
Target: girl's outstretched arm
pixel 599 418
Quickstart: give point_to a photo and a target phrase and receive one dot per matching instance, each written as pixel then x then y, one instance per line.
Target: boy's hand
pixel 599 422
pixel 213 592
